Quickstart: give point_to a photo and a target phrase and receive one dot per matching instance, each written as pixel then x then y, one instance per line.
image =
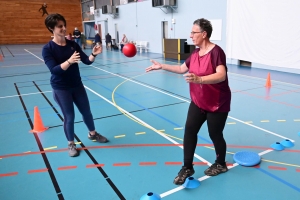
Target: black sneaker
pixel 183 174
pixel 98 138
pixel 216 169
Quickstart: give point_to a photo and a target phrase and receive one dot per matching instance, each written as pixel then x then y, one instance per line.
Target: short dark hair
pixel 204 25
pixel 52 19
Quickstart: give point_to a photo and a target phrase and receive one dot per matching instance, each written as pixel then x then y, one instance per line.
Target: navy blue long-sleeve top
pixel 54 55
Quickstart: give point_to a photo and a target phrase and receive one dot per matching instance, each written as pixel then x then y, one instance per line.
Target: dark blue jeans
pixel 66 100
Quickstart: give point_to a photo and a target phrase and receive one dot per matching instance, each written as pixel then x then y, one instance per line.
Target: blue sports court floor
pixel 143 115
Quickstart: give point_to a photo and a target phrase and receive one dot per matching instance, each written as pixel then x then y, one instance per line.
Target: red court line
pixel 37 170
pixel 297 170
pixel 67 167
pixel 199 163
pixel 229 164
pixel 9 174
pixel 284 103
pixel 276 168
pixel 173 163
pixel 121 164
pixel 147 163
pixel 138 145
pixel 94 165
pixel 256 166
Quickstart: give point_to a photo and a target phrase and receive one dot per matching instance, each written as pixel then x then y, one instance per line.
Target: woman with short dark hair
pixel 210 95
pixel 62 57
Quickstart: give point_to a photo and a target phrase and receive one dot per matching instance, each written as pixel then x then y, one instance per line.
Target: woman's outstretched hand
pixel 97 49
pixel 155 66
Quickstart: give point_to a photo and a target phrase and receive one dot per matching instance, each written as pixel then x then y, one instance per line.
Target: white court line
pixel 24 94
pixel 19 65
pixel 142 122
pixel 34 55
pixel 205 177
pixel 263 79
pixel 179 98
pixel 189 102
pixel 253 77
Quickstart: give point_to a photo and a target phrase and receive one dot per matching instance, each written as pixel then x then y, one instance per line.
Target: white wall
pixel 141 22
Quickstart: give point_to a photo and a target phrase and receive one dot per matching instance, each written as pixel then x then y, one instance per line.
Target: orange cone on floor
pixel 268 83
pixel 38 125
pixel 1 58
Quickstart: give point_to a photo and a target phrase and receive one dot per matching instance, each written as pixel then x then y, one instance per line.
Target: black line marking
pixel 156 87
pixel 2 52
pixel 122 114
pixel 86 150
pixel 10 51
pixel 46 161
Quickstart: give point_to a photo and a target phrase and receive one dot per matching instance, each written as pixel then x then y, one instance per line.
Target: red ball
pixel 129 50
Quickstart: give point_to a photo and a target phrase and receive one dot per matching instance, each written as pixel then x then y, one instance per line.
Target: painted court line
pixel 147 163
pixel 142 122
pixel 121 164
pixel 9 174
pixel 67 168
pixel 277 168
pixel 94 165
pixel 188 101
pixel 34 55
pixel 23 94
pixel 204 178
pixel 37 171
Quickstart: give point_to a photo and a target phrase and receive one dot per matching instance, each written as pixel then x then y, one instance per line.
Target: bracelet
pixel 93 55
pixel 69 62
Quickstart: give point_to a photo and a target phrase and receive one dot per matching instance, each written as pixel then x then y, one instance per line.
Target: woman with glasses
pixel 210 98
pixel 61 57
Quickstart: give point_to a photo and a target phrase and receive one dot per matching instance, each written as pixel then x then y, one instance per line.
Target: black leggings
pixel 215 122
pixel 66 100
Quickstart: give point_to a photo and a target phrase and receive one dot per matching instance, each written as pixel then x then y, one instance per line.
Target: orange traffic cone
pixel 1 58
pixel 268 83
pixel 38 125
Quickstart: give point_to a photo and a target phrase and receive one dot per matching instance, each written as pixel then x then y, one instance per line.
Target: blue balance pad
pixel 246 158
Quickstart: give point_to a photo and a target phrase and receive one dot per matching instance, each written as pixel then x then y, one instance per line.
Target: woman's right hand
pixel 155 66
pixel 74 58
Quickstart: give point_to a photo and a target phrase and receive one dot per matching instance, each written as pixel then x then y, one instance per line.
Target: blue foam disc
pixel 246 158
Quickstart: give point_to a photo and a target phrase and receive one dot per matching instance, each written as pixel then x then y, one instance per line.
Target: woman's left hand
pixel 97 49
pixel 191 78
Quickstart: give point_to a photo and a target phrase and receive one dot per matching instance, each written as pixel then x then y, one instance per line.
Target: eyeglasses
pixel 193 33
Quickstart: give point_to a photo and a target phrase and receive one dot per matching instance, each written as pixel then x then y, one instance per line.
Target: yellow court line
pixel 179 128
pixel 77 142
pixel 281 120
pixel 94 140
pixel 264 121
pixel 162 130
pixel 249 122
pixel 138 133
pixel 297 120
pixel 27 152
pixel 54 147
pixel 119 136
pixel 231 123
pixel 280 163
pixel 113 99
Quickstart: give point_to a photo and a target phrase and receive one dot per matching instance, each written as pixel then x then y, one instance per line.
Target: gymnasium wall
pixel 21 22
pixel 141 22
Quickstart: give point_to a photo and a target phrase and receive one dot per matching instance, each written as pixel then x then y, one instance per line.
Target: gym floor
pixel 143 115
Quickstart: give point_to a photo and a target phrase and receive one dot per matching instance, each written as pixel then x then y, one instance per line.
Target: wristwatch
pixel 93 55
